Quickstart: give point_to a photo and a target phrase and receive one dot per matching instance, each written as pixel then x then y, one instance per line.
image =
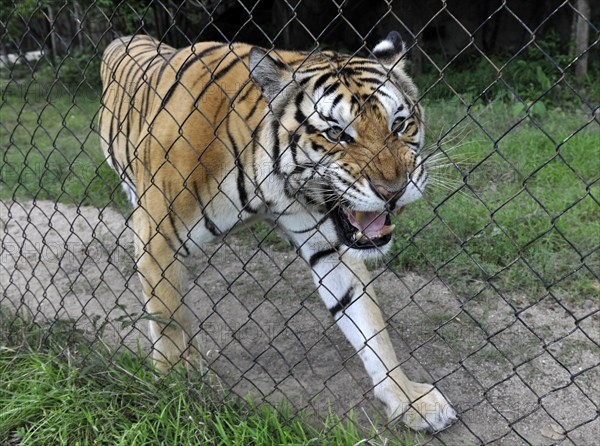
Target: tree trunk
pixel 77 17
pixel 53 43
pixel 417 56
pixel 582 37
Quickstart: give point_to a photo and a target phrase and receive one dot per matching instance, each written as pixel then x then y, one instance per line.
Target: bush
pixel 532 75
pixel 73 72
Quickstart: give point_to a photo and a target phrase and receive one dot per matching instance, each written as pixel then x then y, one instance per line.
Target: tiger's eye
pixel 337 134
pixel 399 125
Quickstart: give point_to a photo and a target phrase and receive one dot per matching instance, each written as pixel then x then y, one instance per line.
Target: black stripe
pixel 166 190
pixel 332 88
pixel 217 111
pixel 176 232
pixel 314 69
pixel 321 80
pixel 111 151
pixel 125 74
pixel 312 228
pixel 216 77
pixel 330 119
pixel 354 104
pixel 149 86
pixel 122 46
pixel 386 54
pixel 351 185
pixel 258 191
pixel 146 162
pixel 151 90
pixel 126 86
pixel 368 69
pixel 126 52
pixel 317 147
pixel 113 135
pixel 276 153
pixel 138 78
pixel 299 99
pixel 208 223
pixel 299 116
pixel 251 86
pixel 293 145
pixel 336 100
pixel 372 80
pixel 318 256
pixel 108 61
pixel 161 72
pixel 343 302
pixel 253 110
pixel 188 63
pixel 384 94
pixel 310 129
pixel 241 183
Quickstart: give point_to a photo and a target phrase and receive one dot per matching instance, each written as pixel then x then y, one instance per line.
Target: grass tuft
pixel 58 388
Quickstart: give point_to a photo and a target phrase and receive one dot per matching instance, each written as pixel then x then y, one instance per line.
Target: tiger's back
pixel 176 114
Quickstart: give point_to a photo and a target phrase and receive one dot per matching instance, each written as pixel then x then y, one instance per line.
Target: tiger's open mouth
pixel 363 230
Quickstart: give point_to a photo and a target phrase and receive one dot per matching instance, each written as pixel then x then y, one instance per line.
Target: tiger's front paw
pixel 428 408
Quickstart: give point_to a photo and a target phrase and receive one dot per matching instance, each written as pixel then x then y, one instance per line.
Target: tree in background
pixel 73 33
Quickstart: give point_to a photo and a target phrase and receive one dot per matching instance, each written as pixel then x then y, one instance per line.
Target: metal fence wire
pixel 489 289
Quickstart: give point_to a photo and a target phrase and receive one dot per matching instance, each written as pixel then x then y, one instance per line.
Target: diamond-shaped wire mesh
pixel 489 289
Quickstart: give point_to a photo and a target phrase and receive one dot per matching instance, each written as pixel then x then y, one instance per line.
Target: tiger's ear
pixel 390 51
pixel 270 74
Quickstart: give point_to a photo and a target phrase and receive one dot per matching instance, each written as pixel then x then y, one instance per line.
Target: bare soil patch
pixel 517 373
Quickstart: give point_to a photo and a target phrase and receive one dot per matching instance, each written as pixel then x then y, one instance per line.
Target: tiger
pixel 321 145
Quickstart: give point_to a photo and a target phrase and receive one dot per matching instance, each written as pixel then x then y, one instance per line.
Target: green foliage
pixel 535 74
pixel 14 17
pixel 80 69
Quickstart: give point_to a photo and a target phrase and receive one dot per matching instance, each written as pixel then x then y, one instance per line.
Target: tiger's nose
pixel 389 191
pixel 386 193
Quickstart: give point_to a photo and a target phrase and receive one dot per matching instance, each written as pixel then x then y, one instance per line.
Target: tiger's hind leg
pixel 163 283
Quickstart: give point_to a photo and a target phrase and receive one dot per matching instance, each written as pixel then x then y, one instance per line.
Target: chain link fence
pixel 490 291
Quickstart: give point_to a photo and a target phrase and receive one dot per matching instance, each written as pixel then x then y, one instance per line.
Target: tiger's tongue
pixel 369 223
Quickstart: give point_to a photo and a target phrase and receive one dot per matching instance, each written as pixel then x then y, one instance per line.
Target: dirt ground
pixel 517 373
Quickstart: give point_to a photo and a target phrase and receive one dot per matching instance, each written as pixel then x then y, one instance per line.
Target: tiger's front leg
pixel 344 285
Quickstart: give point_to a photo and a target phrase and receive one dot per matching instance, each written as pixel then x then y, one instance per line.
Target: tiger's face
pixel 371 155
pixel 354 132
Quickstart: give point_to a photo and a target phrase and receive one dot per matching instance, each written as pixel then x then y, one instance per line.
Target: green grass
pixel 518 208
pixel 50 150
pixel 59 389
pixel 525 219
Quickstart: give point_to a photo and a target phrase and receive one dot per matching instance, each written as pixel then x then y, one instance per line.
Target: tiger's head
pixel 348 132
